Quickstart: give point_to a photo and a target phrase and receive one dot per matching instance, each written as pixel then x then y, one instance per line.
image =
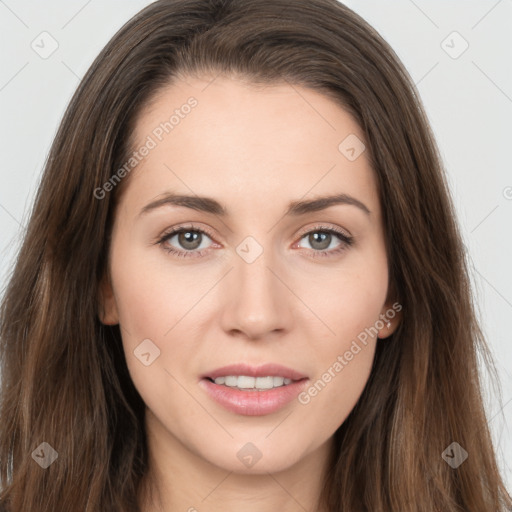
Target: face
pixel 251 270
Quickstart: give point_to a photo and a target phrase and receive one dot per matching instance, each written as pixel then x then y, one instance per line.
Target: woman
pixel 168 341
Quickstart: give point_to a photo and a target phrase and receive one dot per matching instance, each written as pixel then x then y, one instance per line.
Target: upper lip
pixel 269 369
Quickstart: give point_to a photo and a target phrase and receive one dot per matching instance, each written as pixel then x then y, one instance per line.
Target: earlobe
pixel 107 307
pixel 389 320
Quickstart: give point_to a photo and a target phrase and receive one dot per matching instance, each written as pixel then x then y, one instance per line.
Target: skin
pixel 253 149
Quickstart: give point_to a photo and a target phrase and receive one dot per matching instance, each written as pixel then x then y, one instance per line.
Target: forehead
pixel 246 144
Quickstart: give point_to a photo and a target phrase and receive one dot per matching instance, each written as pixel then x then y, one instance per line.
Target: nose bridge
pixel 257 302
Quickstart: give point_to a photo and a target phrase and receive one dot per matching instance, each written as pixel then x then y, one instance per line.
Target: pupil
pixel 324 242
pixel 189 239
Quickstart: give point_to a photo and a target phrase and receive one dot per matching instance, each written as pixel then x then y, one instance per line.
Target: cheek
pixel 151 297
pixel 349 299
pixel 332 395
pixel 350 306
pixel 152 313
pixel 342 365
pixel 158 303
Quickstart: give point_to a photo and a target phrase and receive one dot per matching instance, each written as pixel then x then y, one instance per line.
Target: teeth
pixel 278 381
pixel 258 383
pixel 231 380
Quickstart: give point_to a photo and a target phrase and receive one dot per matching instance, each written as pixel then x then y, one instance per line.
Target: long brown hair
pixel 64 376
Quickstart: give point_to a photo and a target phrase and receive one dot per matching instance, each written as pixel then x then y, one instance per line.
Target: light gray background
pixel 468 100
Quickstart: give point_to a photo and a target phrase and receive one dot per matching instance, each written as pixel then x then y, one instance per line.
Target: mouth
pixel 245 372
pixel 248 383
pixel 253 391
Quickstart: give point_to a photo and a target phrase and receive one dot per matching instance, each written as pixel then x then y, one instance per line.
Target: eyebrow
pixel 295 208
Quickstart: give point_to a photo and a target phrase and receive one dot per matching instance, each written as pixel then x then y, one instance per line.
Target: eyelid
pixel 321 226
pixel 176 229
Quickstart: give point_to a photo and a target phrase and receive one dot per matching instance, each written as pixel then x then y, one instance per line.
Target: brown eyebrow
pixel 209 205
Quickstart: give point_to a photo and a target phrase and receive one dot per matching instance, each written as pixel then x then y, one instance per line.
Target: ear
pixel 107 307
pixel 390 318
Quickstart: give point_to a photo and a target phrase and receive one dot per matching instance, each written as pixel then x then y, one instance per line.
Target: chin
pixel 253 459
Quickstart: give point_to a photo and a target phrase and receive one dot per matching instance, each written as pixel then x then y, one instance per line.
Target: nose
pixel 256 303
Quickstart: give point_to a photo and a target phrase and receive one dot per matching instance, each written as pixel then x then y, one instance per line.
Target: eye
pixel 321 237
pixel 188 239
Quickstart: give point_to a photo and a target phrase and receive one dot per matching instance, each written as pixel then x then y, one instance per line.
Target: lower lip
pixel 253 403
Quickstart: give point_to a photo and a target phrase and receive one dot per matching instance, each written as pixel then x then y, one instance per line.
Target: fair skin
pixel 254 150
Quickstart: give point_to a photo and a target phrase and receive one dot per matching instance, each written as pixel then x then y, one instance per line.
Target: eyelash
pixel 346 240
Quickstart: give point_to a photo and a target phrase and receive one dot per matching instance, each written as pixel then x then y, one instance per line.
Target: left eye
pixel 321 240
pixel 190 241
